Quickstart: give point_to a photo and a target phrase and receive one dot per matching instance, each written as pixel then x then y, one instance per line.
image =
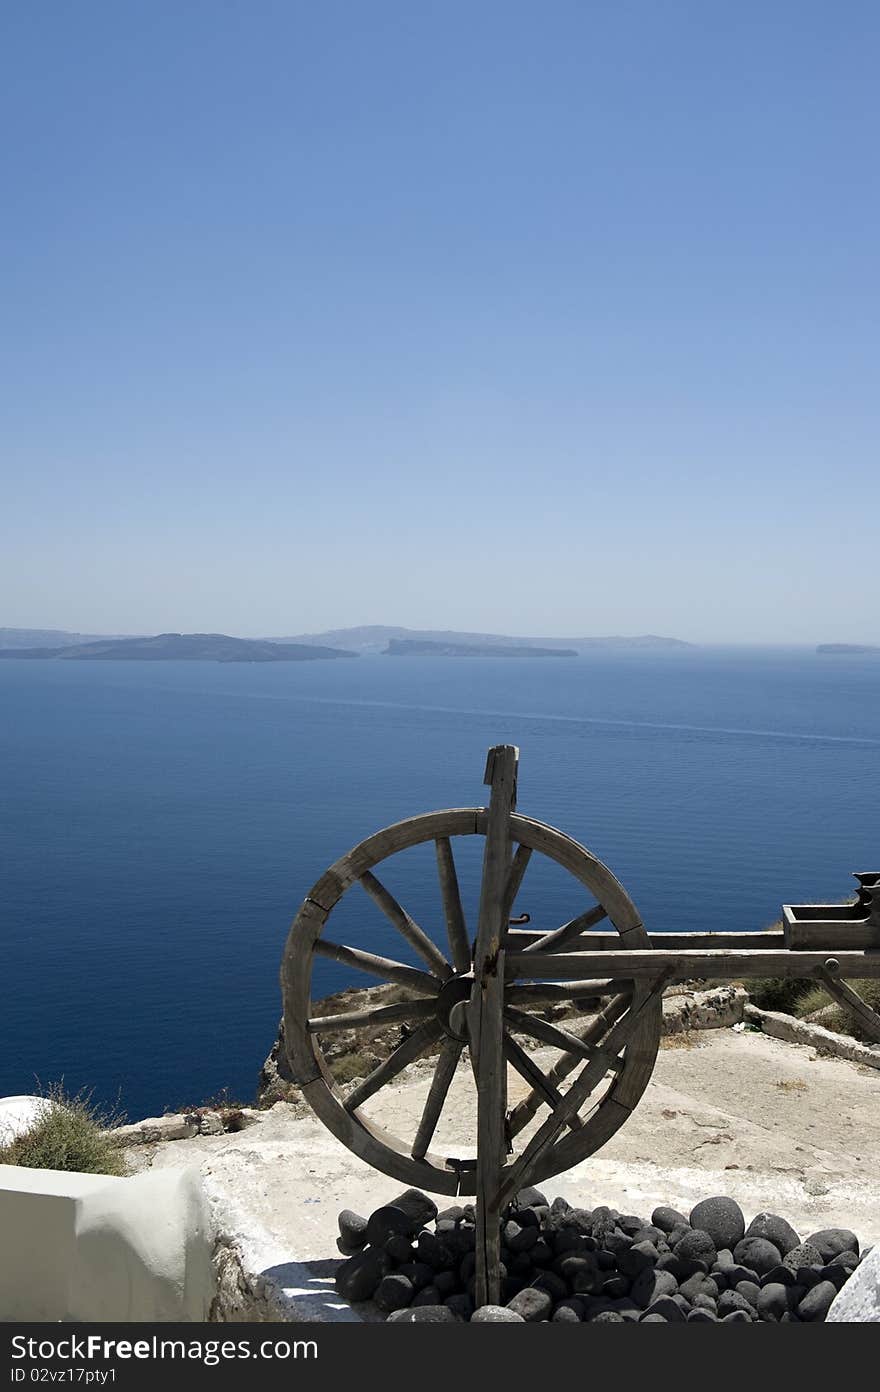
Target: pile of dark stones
pixel 570 1265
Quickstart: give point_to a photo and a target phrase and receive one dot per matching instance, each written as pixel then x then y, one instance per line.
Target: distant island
pixel 179 647
pixel 376 638
pixel 416 647
pixel 840 648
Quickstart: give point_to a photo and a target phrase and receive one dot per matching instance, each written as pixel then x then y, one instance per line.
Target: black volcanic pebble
pixel 699 1284
pixel 778 1276
pixel 445 1282
pixel 817 1302
pixel 420 1274
pixel 668 1218
pixel 637 1258
pixel 565 1314
pixel 428 1295
pixel 696 1245
pixel 803 1257
pixel 700 1316
pixel 757 1253
pixel 394 1292
pixel 736 1317
pixel 529 1198
pixel 774 1229
pixel 830 1242
pixel 653 1319
pixel 666 1306
pixel 772 1302
pixel 423 1314
pixel 732 1300
pixel 722 1219
pixel 405 1215
pixel 352 1229
pixel 495 1314
pixel 461 1305
pixel 399 1248
pixel 650 1285
pixel 532 1304
pixel 359 1277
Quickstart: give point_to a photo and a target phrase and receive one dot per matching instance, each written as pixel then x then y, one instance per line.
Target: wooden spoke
pixel 518 865
pixel 415 936
pixel 585 993
pixel 450 1053
pixel 844 994
pixel 553 1035
pixel 456 928
pixel 378 966
pixel 552 942
pixel 412 1048
pixel 592 1034
pixel 379 1015
pixel 535 1077
pixel 577 1094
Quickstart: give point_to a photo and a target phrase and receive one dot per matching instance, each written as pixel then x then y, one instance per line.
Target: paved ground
pixel 768 1123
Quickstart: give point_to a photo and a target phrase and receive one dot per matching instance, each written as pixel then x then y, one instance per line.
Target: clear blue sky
pixel 538 318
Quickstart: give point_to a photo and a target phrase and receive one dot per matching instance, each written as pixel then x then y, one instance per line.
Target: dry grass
pixel 68 1135
pixel 791 1085
pixel 684 1039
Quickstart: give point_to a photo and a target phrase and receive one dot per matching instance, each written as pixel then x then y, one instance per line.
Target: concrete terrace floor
pixel 769 1123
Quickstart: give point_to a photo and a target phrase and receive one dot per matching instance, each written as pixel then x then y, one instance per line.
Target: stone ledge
pixel 794 1031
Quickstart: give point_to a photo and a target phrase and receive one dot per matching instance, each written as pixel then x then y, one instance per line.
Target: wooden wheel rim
pixel 379 1148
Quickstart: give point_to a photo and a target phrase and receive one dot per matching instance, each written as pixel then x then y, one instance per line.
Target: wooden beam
pixel 552 942
pixel 486 1020
pixel 378 1016
pixel 852 1001
pixel 689 965
pixel 527 939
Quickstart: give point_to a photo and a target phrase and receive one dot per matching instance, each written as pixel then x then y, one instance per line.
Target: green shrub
pixel 778 993
pixel 840 1019
pixel 68 1135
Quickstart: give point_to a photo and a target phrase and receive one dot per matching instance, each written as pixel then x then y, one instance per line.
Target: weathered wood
pixel 590 1034
pixel 406 925
pixel 844 994
pixel 517 870
pixel 688 965
pixel 412 1048
pixel 534 1075
pixel 586 994
pixel 378 966
pixel 552 942
pixel 525 939
pixel 486 1020
pixel 837 930
pixel 456 928
pixel 361 1133
pixel 547 1033
pixel 379 1015
pixel 591 1074
pixel 447 1062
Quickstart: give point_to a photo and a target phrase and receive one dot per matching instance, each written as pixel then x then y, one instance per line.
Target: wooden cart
pixel 482 993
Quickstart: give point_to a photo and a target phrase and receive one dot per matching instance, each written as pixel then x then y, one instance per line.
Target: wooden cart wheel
pixel 611 1055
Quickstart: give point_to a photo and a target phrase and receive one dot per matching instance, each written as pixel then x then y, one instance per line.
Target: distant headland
pixel 377 638
pixel 419 647
pixel 833 649
pixel 179 647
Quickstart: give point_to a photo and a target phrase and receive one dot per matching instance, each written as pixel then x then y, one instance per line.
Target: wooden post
pixel 486 1021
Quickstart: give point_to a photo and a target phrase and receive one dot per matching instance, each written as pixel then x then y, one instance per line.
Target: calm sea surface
pixel 160 823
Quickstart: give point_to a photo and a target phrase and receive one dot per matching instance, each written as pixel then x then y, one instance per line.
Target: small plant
pixel 839 1018
pixel 69 1134
pixel 777 993
pixel 791 1085
pixel 350 1066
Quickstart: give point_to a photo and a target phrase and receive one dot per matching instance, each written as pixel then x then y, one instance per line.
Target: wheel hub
pixel 452 1005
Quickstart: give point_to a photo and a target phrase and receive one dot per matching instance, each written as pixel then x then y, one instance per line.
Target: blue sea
pixel 160 824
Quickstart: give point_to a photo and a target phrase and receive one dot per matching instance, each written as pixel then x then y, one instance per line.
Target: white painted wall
pixel 95 1247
